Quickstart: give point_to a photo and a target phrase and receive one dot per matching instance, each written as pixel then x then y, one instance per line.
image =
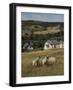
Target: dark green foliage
pixel 44 24
pixel 38 44
pixel 30 27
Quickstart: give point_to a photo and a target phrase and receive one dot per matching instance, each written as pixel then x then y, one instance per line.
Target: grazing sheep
pixel 51 60
pixel 44 60
pixel 35 62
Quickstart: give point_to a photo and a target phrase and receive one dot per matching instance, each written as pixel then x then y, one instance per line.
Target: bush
pixel 38 44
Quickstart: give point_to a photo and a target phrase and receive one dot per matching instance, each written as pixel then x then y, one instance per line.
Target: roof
pixel 54 42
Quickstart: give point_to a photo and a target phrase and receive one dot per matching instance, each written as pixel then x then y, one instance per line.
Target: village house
pixel 28 46
pixel 61 44
pixel 53 44
pixel 48 44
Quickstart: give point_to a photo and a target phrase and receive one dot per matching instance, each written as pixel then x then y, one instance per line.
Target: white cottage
pixel 48 45
pixel 53 44
pixel 28 46
pixel 61 44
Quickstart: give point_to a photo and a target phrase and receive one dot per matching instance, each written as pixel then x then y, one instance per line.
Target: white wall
pixel 4 44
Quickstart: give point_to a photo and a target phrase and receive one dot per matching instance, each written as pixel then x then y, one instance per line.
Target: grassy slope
pixel 47 31
pixel 29 25
pixel 45 24
pixel 56 69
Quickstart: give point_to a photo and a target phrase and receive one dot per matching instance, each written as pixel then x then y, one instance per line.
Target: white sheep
pixel 44 60
pixel 51 60
pixel 35 62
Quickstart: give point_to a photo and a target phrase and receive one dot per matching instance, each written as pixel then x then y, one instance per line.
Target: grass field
pixel 27 70
pixel 47 31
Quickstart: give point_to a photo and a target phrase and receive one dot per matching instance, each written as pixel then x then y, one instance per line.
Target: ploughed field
pixel 27 70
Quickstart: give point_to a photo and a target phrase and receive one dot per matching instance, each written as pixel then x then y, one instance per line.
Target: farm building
pixel 28 46
pixel 53 44
pixel 48 45
pixel 61 44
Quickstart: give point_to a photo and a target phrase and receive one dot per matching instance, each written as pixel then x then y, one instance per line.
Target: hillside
pixel 37 28
pixel 44 24
pixel 39 32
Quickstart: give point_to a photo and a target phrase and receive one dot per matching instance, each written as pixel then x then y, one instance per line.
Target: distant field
pixel 47 31
pixel 42 28
pixel 27 70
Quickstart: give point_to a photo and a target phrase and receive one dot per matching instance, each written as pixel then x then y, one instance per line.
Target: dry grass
pixel 27 70
pixel 47 31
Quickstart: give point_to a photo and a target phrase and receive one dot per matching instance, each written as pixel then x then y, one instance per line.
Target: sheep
pixel 50 60
pixel 39 62
pixel 44 60
pixel 35 62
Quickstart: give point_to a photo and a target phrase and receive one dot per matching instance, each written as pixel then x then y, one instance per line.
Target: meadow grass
pixel 27 70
